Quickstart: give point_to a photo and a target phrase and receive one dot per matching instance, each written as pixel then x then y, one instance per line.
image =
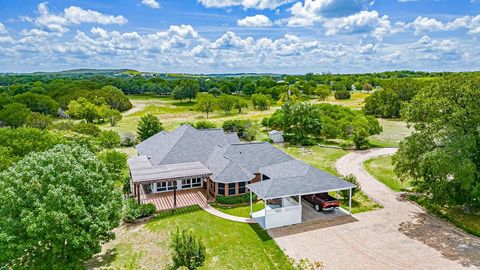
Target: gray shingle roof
pixel 230 161
pixel 315 181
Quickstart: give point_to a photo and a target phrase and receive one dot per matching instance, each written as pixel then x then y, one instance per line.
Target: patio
pixel 165 201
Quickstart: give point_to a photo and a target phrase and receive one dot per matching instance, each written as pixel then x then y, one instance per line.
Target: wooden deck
pixel 164 201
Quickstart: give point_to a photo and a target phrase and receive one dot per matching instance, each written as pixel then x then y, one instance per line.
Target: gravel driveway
pixel 399 236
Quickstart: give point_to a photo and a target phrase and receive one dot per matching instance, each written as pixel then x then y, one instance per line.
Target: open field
pixel 393 132
pixel 382 169
pixel 230 245
pixel 355 102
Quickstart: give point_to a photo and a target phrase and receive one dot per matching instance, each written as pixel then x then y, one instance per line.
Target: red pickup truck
pixel 322 201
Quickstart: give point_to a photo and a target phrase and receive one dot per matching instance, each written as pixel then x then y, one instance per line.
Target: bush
pixel 86 128
pixel 352 179
pixel 109 139
pixel 128 139
pixel 188 250
pixel 38 120
pixel 245 198
pixel 203 124
pixel 133 211
pixel 342 94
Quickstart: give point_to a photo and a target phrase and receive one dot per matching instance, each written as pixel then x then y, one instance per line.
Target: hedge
pixel 235 199
pixel 134 211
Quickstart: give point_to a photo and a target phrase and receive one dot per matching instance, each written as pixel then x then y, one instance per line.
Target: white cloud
pixel 364 22
pixel 71 15
pixel 151 3
pixel 2 28
pixel 310 11
pixel 255 21
pixel 256 4
pixel 422 25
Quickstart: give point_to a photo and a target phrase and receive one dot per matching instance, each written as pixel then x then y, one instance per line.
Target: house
pixel 221 165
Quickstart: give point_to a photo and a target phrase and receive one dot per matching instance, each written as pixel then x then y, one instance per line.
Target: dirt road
pixel 399 236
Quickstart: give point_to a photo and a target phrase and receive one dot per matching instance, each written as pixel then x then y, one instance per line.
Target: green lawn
pixel 230 245
pixel 238 210
pixel 355 102
pixel 393 132
pixel 323 158
pixel 382 169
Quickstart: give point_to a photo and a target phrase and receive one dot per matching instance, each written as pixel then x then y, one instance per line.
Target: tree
pixel 302 120
pixel 342 94
pixel 215 91
pixel 114 98
pixel 113 117
pixel 384 103
pixel 86 128
pixel 323 91
pixel 148 126
pixel 367 87
pixel 442 152
pixel 14 114
pixel 38 120
pixel 38 103
pixel 239 104
pixel 252 130
pixel 206 103
pixel 186 89
pixel 226 103
pixel 188 250
pixel 108 139
pixel 261 102
pixel 83 109
pixel 61 205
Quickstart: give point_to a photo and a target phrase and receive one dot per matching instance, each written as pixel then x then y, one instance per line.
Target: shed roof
pixel 315 181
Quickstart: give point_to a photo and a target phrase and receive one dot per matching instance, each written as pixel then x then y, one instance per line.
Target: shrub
pixel 342 94
pixel 188 250
pixel 38 120
pixel 133 211
pixel 148 126
pixel 352 179
pixel 128 139
pixel 203 124
pixel 86 128
pixel 109 139
pixel 235 199
pixel 239 126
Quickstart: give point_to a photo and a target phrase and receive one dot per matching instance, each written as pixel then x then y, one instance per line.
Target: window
pixel 186 183
pixel 197 182
pixel 241 187
pixel 231 189
pixel 221 189
pixel 164 186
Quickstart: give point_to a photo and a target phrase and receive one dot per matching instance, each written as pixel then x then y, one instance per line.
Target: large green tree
pixel 14 114
pixel 148 126
pixel 226 103
pixel 206 103
pixel 442 153
pixel 56 209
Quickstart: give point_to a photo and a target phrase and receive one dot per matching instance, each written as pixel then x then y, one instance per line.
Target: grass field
pixel 239 210
pixel 382 169
pixel 230 245
pixel 355 102
pixel 393 132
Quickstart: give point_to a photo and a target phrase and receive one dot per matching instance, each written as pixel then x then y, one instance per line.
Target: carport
pixel 283 196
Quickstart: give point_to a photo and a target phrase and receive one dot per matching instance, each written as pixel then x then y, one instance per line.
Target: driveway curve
pixel 399 236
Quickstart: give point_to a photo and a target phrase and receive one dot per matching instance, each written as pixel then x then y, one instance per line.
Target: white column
pixel 251 206
pixel 350 202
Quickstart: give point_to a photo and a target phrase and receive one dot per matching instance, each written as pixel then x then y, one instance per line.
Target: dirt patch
pixel 450 242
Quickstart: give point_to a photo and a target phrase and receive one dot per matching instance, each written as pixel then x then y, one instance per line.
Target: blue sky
pixel 220 36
